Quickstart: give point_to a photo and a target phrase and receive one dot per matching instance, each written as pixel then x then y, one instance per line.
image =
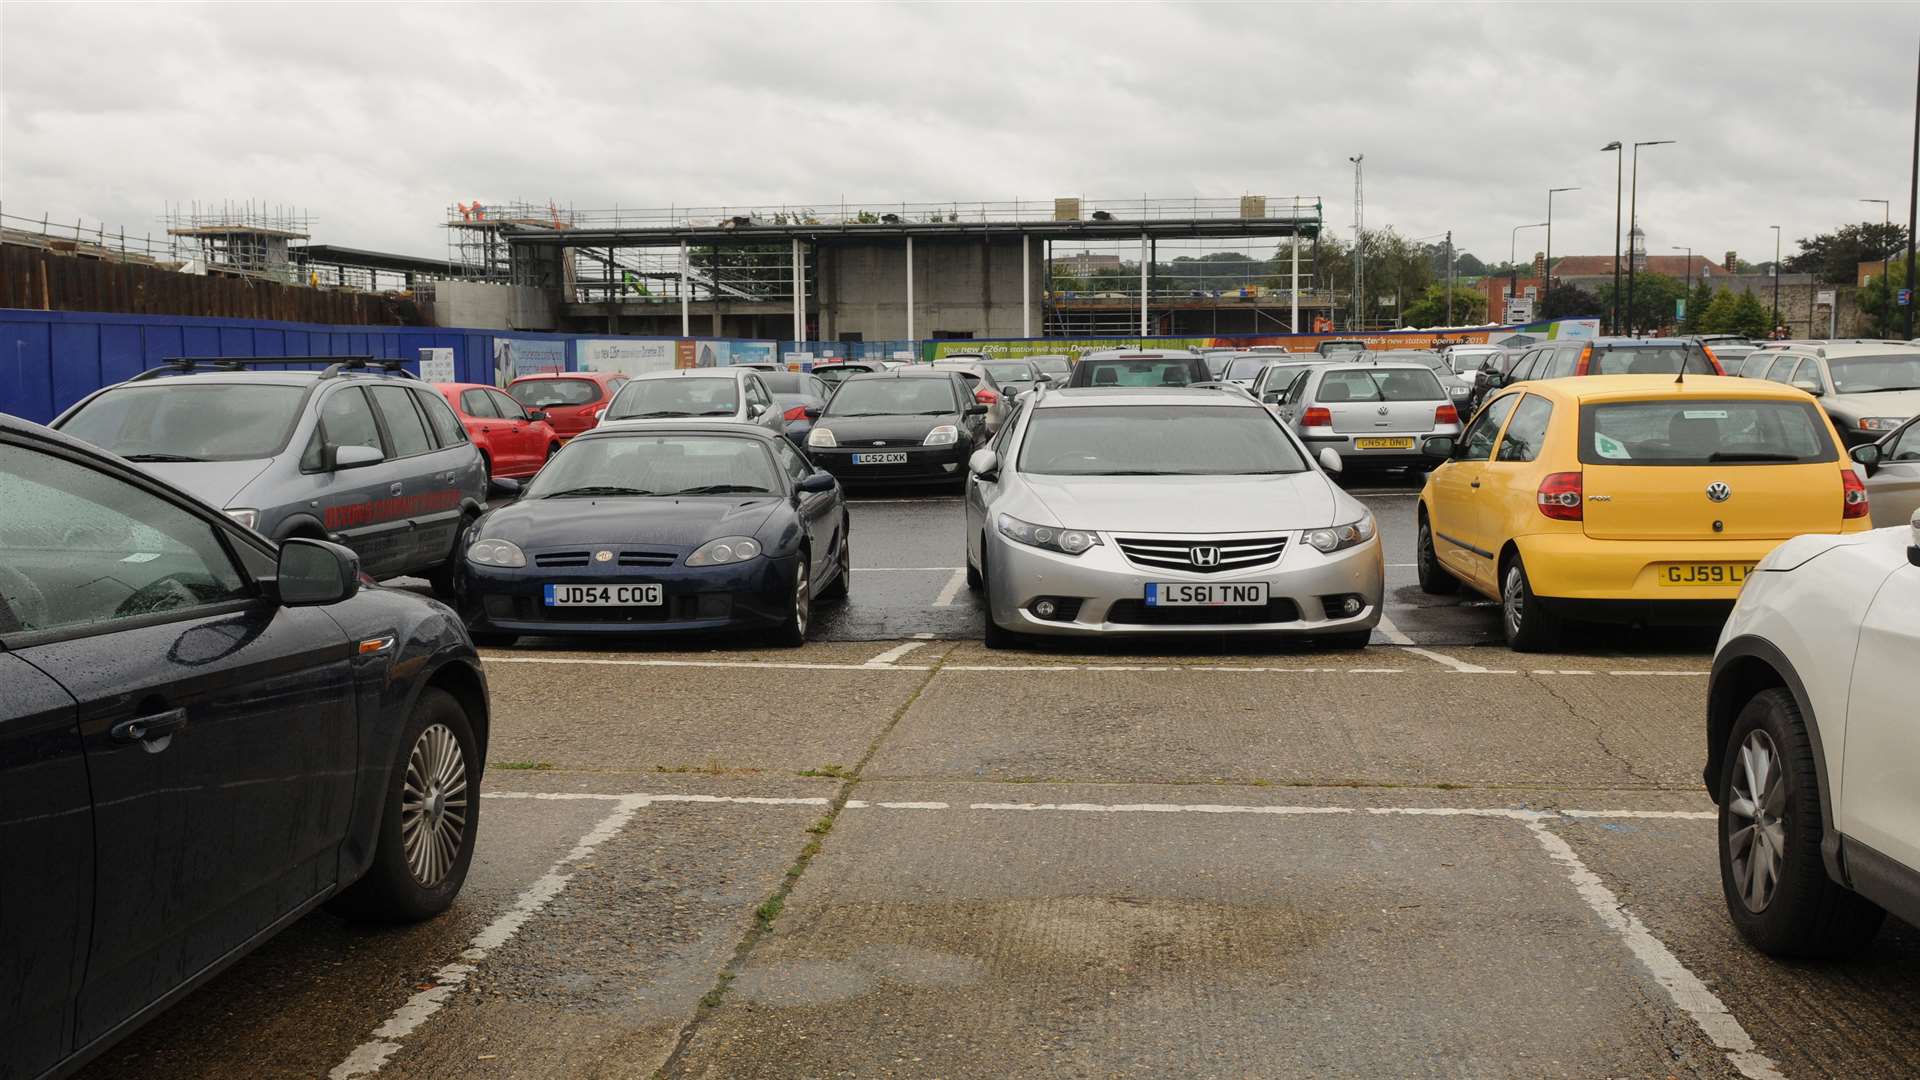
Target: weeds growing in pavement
pixel 534 766
pixel 837 772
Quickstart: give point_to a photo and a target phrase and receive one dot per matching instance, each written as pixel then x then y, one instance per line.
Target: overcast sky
pixel 375 118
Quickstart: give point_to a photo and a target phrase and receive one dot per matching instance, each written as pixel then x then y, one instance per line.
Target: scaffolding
pixel 246 239
pixel 477 234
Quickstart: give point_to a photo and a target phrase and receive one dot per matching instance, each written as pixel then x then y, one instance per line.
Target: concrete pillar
pixel 686 289
pixel 1293 319
pixel 1143 284
pixel 799 297
pixel 910 336
pixel 715 332
pixel 1026 288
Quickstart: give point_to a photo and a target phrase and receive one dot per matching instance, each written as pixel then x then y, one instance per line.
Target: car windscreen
pixel 1005 372
pixel 1120 371
pixel 1379 384
pixel 657 464
pixel 668 399
pixel 1703 432
pixel 836 373
pixel 1056 366
pixel 1466 363
pixel 1217 364
pixel 1156 440
pixel 1433 361
pixel 1246 367
pixel 546 393
pixel 1329 348
pixel 186 422
pixel 1873 374
pixel 786 382
pixel 893 397
pixel 1649 360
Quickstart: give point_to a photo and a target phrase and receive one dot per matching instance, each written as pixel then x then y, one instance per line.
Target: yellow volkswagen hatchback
pixel 1628 498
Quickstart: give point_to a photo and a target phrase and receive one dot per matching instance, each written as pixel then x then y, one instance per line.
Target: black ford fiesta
pixel 662 528
pixel 912 426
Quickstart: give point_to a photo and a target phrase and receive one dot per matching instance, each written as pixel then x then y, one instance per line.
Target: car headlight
pixel 1064 541
pixel 1867 423
pixel 944 435
pixel 727 549
pixel 820 436
pixel 496 553
pixel 249 518
pixel 1341 537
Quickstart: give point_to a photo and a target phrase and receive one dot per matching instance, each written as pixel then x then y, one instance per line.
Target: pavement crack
pixel 770 908
pixel 1599 732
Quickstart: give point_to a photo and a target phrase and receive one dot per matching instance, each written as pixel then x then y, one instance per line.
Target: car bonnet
pixel 1191 504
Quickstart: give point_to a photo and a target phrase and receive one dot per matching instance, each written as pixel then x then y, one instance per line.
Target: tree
pixel 1716 316
pixel 1563 300
pixel 1750 317
pixel 1697 305
pixel 1469 308
pixel 1653 300
pixel 1835 257
pixel 1884 317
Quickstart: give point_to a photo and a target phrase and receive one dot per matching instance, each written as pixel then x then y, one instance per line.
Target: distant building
pixel 1084 264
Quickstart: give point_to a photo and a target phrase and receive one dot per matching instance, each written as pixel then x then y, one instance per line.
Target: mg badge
pixel 1204 556
pixel 1719 492
pixel 603 556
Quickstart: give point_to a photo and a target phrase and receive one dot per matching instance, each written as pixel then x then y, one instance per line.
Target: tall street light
pixel 1513 268
pixel 1619 163
pixel 1776 274
pixel 1546 266
pixel 1886 221
pixel 1689 252
pixel 1633 221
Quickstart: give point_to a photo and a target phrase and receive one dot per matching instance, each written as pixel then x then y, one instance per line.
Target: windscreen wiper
pixel 1750 455
pixel 161 457
pixel 722 489
pixel 599 489
pixel 1875 390
pixel 655 415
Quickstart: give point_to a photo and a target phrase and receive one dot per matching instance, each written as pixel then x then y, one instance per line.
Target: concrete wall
pixel 961 285
pixel 489 306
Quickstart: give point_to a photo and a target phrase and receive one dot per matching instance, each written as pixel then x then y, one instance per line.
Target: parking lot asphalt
pixel 894 853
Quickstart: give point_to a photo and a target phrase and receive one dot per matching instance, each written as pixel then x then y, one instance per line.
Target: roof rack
pixel 336 365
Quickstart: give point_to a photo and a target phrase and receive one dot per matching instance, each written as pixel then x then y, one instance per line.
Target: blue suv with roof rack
pixel 359 452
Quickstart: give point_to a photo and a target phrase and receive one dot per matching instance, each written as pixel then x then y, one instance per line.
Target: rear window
pixel 672 399
pixel 1247 367
pixel 1124 372
pixel 1375 384
pixel 1649 360
pixel 1004 373
pixel 787 382
pixel 1867 374
pixel 181 421
pixel 1704 433
pixel 546 393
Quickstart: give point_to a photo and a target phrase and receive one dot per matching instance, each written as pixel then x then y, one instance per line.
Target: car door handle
pixel 1475 484
pixel 141 728
pixel 394 488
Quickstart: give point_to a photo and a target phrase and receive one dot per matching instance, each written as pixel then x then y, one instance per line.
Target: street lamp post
pixel 1776 275
pixel 1689 252
pixel 1633 221
pixel 1546 267
pixel 1513 267
pixel 1619 164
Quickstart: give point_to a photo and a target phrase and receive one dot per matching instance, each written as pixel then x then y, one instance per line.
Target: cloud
pixel 375 119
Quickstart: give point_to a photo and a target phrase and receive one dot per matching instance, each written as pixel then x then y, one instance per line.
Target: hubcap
pixel 433 805
pixel 1757 821
pixel 801 600
pixel 1513 600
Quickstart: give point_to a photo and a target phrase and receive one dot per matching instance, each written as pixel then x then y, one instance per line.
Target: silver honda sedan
pixel 1164 511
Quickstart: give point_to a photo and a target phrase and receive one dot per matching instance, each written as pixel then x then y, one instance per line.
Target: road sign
pixel 1679 307
pixel 1823 298
pixel 1906 297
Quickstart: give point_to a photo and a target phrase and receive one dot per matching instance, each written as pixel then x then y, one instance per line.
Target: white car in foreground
pixel 1813 745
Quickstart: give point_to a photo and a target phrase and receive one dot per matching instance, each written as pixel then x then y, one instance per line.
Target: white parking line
pixel 907 569
pixel 1682 986
pixel 952 589
pixel 1452 664
pixel 370 1056
pixel 1395 636
pixel 887 658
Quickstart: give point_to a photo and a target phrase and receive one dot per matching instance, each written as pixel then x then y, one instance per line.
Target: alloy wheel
pixel 1513 599
pixel 1757 833
pixel 802 599
pixel 433 805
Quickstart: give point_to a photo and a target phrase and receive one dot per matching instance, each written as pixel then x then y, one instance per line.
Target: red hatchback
pixel 513 441
pixel 572 400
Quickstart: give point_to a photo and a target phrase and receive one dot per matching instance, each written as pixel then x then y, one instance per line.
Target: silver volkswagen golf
pixel 1164 511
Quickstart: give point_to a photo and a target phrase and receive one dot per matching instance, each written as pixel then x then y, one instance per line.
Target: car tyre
pixel 1527 624
pixel 1350 639
pixel 974 583
pixel 1771 871
pixel 1434 579
pixel 792 632
pixel 429 820
pixel 842 583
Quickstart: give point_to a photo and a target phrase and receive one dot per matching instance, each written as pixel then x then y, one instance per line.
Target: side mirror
pixel 811 412
pixel 1438 447
pixel 1045 378
pixel 1330 459
pixel 537 416
pixel 356 457
pixel 976 409
pixel 984 464
pixel 504 486
pixel 314 572
pixel 755 409
pixel 817 481
pixel 1810 387
pixel 1271 397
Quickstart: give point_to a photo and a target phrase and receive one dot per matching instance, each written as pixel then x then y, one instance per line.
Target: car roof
pixel 905 373
pixel 1837 349
pixel 1585 388
pixel 616 428
pixel 697 373
pixel 463 386
pixel 1140 395
pixel 1140 354
pixel 1373 365
pixel 596 376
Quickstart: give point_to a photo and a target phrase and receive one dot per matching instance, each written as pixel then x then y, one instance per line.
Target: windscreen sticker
pixel 141 557
pixel 1610 447
pixel 1704 414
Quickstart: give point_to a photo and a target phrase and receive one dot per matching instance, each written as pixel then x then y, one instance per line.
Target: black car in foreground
pixel 910 425
pixel 202 738
pixel 663 528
